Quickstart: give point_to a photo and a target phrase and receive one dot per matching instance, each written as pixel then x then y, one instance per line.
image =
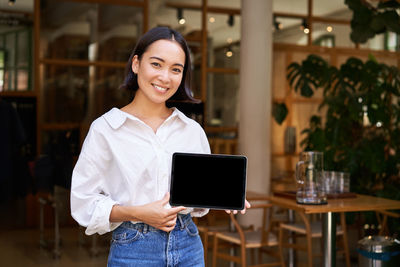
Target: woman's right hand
pixel 156 215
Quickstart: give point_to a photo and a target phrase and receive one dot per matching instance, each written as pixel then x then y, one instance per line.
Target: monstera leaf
pixel 369 20
pixel 311 74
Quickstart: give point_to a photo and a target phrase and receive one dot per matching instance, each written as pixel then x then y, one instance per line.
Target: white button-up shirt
pixel 123 161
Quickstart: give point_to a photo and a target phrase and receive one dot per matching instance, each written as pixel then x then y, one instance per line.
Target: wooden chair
pixel 312 230
pixel 382 216
pixel 263 239
pixel 215 221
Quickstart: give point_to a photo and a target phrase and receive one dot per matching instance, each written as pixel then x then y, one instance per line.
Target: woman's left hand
pixel 243 211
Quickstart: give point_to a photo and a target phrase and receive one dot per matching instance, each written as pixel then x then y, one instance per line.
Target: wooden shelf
pixel 223 70
pixel 220 129
pixel 18 93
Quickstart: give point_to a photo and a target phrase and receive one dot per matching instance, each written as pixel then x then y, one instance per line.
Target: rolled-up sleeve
pixel 91 204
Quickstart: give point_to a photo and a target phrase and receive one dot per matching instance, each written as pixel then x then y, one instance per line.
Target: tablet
pixel 208 181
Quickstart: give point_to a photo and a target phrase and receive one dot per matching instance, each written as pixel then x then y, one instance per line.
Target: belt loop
pixel 145 228
pixel 181 221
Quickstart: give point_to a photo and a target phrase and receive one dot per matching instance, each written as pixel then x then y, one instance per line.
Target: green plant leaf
pixel 353 4
pixel 306 90
pixel 392 20
pixel 279 112
pixel 388 4
pixel 378 24
pixel 361 34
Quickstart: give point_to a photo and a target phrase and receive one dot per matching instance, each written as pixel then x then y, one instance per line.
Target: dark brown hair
pixel 161 33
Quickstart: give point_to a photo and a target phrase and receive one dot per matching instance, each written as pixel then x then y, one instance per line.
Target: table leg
pixel 292 259
pixel 329 239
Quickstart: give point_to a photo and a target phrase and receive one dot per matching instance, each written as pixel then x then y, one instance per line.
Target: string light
pixel 211 19
pixel 229 52
pixel 329 29
pixel 179 14
pixel 304 27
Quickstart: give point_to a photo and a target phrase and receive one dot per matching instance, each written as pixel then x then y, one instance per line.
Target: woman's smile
pixel 160 88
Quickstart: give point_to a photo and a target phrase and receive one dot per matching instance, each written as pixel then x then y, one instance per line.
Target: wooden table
pixel 358 203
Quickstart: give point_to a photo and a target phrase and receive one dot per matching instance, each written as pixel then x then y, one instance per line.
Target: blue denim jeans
pixel 143 245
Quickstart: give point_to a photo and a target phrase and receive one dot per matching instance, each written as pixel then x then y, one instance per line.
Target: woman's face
pixel 160 70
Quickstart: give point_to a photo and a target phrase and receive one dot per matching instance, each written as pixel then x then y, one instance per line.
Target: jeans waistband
pixel 181 222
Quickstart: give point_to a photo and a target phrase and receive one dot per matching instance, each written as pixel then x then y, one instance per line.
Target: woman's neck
pixel 143 109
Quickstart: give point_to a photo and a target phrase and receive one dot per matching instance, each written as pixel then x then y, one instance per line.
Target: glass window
pixel 10 46
pixel 226 56
pixel 22 80
pixel 331 9
pixel 292 6
pixel 222 99
pixel 224 41
pixel 289 31
pixel 108 94
pixel 183 20
pixel 15 57
pixel 375 43
pixel 117 35
pixel 66 27
pixel 8 80
pixel 392 41
pixel 65 89
pixel 2 65
pixel 23 51
pixel 331 35
pixel 326 40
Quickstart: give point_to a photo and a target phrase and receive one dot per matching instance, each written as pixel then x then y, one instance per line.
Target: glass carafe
pixel 309 177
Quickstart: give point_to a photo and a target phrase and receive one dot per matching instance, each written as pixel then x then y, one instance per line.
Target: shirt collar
pixel 115 117
pixel 177 113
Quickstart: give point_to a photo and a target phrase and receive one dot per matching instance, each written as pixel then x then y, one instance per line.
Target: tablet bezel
pixel 173 202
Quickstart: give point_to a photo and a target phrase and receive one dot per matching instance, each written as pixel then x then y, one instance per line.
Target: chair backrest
pixel 382 216
pixel 267 222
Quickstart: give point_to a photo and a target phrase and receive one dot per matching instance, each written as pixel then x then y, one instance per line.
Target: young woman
pixel 120 182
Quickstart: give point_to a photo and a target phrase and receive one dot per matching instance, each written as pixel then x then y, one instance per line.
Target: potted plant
pixel 361 129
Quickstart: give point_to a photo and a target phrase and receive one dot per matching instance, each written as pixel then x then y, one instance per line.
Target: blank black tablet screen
pixel 208 181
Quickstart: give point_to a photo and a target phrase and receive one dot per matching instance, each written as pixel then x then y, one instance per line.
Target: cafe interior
pixel 307 90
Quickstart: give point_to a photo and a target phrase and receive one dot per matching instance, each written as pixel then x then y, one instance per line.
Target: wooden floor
pixel 20 248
